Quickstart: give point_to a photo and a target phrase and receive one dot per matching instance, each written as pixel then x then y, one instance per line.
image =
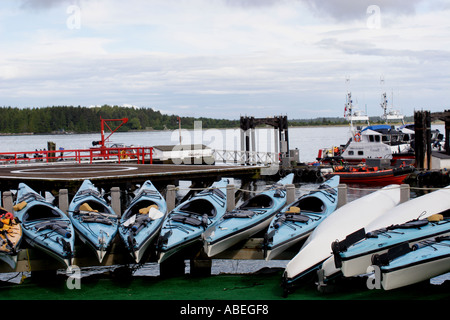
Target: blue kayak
pixel 44 225
pixel 407 264
pixel 185 224
pixel 142 220
pixel 353 254
pixel 299 219
pixel 246 220
pixel 94 220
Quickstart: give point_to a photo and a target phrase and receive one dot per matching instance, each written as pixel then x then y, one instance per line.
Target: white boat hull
pixel 273 253
pixel 220 246
pixel 414 274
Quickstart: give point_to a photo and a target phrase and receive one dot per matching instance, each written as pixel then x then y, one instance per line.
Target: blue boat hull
pixel 97 229
pixel 286 229
pixel 422 261
pixel 185 224
pixel 44 225
pixel 139 228
pixel 249 218
pixel 356 258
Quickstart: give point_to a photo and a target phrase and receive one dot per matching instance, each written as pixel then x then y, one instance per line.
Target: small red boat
pixel 371 175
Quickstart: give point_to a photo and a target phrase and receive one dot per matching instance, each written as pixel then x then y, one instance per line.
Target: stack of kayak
pixel 345 220
pixel 392 236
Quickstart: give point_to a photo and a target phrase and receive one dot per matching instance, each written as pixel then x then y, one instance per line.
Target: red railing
pixel 139 154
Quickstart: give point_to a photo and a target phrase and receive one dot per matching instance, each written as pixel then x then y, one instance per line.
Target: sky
pixel 227 58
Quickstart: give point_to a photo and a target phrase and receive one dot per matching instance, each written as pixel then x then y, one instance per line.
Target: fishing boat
pixel 298 220
pixel 411 221
pixel 142 220
pixel 184 225
pixel 345 220
pixel 246 220
pixel 94 220
pixel 10 237
pixel 44 225
pixel 405 264
pixel 363 174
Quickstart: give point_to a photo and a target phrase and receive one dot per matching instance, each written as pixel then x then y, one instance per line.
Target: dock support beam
pixel 171 194
pixel 404 193
pixel 290 193
pixel 231 199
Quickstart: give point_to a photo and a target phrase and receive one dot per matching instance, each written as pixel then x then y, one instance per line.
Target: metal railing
pixel 138 154
pixel 246 157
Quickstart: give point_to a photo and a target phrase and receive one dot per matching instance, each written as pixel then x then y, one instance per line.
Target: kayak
pixel 185 224
pixel 142 220
pixel 405 264
pixel 345 220
pixel 246 220
pixel 44 225
pixel 10 237
pixel 298 220
pixel 94 220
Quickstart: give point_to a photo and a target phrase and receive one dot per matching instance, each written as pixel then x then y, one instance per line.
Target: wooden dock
pixel 55 176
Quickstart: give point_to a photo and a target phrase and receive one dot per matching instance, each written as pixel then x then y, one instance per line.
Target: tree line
pixel 62 119
pixel 71 119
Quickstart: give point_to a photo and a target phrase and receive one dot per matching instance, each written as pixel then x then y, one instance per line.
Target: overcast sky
pixel 226 58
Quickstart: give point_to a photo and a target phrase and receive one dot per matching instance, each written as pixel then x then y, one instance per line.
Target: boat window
pixel 371 138
pixel 200 207
pixel 385 138
pixel 258 201
pixel 350 153
pixel 40 212
pixel 377 138
pixel 360 153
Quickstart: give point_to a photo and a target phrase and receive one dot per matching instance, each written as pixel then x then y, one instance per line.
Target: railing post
pixel 115 200
pixel 231 200
pixel 404 193
pixel 342 195
pixel 170 197
pixel 290 193
pixel 7 201
pixel 63 200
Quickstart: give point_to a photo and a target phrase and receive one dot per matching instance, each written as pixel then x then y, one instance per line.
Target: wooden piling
pixel 342 195
pixel 171 197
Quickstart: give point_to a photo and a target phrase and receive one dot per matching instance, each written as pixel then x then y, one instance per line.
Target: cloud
pixel 45 4
pixel 344 10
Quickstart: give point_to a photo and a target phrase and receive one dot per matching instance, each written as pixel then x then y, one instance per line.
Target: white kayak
pixel 357 263
pixel 345 220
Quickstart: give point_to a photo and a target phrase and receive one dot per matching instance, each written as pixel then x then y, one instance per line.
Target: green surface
pixel 264 286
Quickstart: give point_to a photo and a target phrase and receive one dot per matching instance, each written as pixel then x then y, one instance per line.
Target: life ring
pixel 358 137
pixel 123 154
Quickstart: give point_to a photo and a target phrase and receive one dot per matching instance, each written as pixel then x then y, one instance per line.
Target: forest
pixel 71 119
